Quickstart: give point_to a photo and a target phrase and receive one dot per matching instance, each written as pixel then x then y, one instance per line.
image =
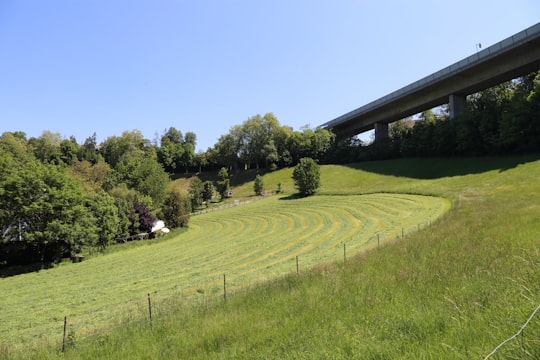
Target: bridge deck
pixel 515 56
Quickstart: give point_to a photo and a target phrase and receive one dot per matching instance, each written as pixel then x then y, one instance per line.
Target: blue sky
pixel 82 66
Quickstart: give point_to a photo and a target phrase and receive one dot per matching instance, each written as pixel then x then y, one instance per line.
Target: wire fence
pixel 527 344
pixel 76 327
pixel 72 328
pixel 524 344
pixel 225 206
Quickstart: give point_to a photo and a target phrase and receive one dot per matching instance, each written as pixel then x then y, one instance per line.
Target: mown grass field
pixel 250 243
pixel 454 290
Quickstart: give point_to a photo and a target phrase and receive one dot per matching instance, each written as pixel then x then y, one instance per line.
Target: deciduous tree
pixel 258 185
pixel 105 212
pixel 43 207
pixel 196 193
pixel 223 183
pixel 176 209
pixel 306 176
pixel 208 192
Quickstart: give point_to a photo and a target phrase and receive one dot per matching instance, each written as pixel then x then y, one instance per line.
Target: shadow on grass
pixel 8 271
pixel 236 177
pixel 434 168
pixel 293 197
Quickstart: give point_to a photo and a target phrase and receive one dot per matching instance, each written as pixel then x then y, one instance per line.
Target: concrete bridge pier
pixel 456 104
pixel 381 132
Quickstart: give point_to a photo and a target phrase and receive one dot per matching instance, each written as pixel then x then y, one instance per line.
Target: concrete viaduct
pixel 515 56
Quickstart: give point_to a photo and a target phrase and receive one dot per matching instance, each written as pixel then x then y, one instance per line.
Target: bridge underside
pixel 516 56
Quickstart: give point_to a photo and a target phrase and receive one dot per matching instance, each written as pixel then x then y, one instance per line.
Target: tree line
pixel 60 198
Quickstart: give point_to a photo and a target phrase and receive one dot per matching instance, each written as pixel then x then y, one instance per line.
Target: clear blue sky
pixel 82 66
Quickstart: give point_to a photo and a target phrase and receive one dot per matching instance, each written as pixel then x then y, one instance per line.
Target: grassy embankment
pixel 452 290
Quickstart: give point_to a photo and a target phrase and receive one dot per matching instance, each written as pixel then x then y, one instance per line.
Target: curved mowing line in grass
pixel 249 243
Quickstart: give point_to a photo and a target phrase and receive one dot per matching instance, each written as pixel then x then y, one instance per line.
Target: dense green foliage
pixel 196 193
pixel 176 209
pixel 44 215
pixel 208 191
pixel 307 176
pixel 262 141
pixel 115 190
pixel 258 185
pixel 107 221
pixel 223 183
pixel 59 199
pixel 177 151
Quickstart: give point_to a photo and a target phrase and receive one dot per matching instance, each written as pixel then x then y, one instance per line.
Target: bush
pixel 258 185
pixel 307 176
pixel 176 210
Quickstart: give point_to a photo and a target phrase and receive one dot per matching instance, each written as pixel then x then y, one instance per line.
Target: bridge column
pixel 381 132
pixel 456 104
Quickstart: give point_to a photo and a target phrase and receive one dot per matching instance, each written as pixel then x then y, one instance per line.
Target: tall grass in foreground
pixel 452 291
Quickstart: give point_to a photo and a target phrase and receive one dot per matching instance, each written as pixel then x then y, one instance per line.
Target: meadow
pixel 455 289
pixel 251 243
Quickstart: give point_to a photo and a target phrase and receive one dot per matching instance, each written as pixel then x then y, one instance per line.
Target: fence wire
pixel 525 344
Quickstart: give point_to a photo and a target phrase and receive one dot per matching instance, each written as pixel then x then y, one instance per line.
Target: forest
pixel 61 198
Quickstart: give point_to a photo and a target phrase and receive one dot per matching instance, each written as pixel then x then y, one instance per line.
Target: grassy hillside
pixel 455 290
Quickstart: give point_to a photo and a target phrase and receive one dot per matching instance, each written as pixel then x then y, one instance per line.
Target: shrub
pixel 307 176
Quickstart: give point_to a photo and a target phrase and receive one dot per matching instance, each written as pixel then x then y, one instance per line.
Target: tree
pixel 15 144
pixel 258 185
pixel 173 135
pixel 176 209
pixel 45 209
pixel 188 155
pixel 47 147
pixel 141 218
pixel 223 183
pixel 306 176
pixel 177 150
pixel 196 193
pixel 131 145
pixel 226 150
pixel 208 192
pixel 170 154
pixel 520 126
pixel 190 138
pixel 105 212
pixel 68 151
pixel 90 175
pixel 89 151
pixel 250 142
pixel 272 156
pixel 149 178
pixel 123 199
pixel 201 160
pixel 321 141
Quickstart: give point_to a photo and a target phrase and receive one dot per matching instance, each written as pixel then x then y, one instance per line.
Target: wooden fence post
pixel 150 309
pixel 224 287
pixel 64 337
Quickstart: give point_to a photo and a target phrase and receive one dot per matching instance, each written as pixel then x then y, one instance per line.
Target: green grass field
pixel 249 243
pixel 453 290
